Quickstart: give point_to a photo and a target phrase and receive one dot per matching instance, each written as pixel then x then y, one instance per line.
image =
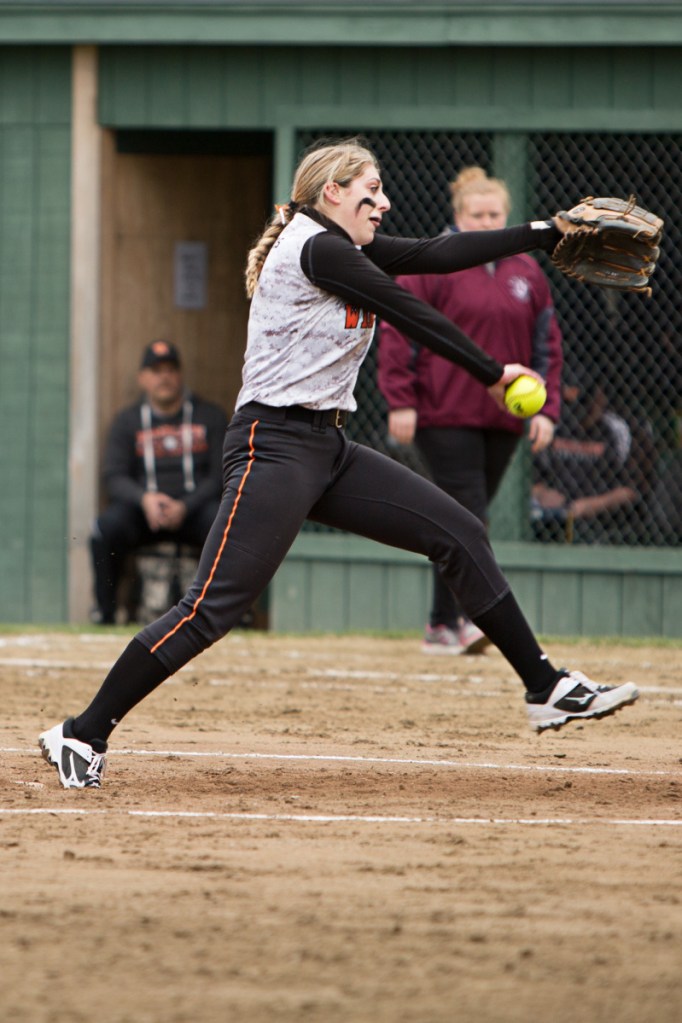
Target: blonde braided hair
pixel 339 161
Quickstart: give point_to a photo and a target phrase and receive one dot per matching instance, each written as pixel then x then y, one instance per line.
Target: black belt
pixel 319 419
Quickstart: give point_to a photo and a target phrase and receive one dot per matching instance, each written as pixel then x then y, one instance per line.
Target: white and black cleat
pixel 575 697
pixel 80 765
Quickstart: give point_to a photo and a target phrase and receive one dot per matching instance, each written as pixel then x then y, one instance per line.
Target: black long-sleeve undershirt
pixel 364 277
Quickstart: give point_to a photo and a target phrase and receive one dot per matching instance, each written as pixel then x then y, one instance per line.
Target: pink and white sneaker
pixel 439 639
pixel 471 639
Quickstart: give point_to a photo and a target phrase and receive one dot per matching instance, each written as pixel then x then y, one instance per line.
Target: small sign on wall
pixel 190 264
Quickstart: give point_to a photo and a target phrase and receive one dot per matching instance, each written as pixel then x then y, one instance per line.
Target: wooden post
pixel 85 305
pixel 510 510
pixel 284 159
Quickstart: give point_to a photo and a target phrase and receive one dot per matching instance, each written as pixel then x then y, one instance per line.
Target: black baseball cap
pixel 160 351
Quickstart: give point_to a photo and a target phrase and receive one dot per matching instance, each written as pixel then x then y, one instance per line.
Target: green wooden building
pixel 128 128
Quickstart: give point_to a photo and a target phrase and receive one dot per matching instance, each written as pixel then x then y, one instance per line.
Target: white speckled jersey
pixel 305 345
pixel 318 297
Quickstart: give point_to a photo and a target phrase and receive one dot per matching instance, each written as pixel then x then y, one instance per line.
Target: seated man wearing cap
pixel 162 472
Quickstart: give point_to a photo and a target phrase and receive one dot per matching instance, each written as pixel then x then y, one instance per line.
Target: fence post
pixel 510 511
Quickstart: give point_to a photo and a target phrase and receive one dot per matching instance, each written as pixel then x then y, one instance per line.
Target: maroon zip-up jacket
pixel 507 308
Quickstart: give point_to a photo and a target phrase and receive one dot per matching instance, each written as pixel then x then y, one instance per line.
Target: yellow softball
pixel 525 396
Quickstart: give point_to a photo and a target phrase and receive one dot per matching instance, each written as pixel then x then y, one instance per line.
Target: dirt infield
pixel 341 830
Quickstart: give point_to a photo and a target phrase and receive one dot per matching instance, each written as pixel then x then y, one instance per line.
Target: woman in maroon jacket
pixel 466 440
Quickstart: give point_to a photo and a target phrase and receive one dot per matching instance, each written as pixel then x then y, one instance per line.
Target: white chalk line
pixel 462 687
pixel 302 678
pixel 400 761
pixel 51 664
pixel 320 818
pixel 282 680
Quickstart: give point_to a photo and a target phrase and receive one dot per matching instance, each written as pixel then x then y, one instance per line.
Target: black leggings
pixel 279 472
pixel 468 464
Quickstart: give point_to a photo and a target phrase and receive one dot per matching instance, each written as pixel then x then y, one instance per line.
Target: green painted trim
pixel 664 561
pixel 510 162
pixel 486 117
pixel 507 514
pixel 371 25
pixel 572 557
pixel 284 162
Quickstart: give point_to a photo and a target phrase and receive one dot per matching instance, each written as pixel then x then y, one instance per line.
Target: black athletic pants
pixel 277 473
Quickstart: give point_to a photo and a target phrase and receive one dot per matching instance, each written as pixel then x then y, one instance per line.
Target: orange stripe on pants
pixel 242 482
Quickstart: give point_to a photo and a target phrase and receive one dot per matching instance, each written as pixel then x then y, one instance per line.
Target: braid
pixel 257 255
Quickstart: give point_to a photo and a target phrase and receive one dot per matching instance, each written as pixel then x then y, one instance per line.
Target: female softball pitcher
pixel 318 277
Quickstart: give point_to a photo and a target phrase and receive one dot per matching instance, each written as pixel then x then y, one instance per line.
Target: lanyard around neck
pixel 148 446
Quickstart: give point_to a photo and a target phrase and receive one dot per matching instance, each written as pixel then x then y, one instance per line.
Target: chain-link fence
pixel 617 459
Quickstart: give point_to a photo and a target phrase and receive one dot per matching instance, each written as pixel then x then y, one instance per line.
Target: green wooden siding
pixel 456 87
pixel 501 88
pixel 437 23
pixel 338 583
pixel 342 583
pixel 34 331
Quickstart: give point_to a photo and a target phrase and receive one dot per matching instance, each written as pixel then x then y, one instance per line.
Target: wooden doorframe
pixel 86 140
pixel 93 267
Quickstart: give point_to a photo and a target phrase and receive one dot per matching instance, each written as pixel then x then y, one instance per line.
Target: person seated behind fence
pixel 162 472
pixel 592 484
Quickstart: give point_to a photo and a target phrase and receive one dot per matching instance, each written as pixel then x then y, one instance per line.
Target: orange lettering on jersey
pixel 352 317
